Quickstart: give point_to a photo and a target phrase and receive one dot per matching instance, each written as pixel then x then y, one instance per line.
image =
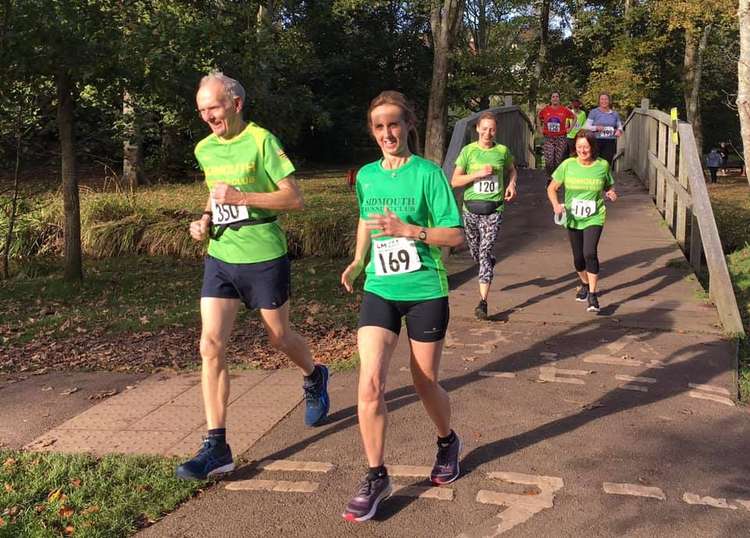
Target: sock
pixel 315 376
pixel 448 439
pixel 377 472
pixel 218 435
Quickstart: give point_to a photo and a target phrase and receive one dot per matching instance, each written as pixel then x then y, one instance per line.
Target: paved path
pixel 574 424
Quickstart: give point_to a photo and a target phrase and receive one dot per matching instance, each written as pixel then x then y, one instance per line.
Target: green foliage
pixel 154 221
pixel 80 495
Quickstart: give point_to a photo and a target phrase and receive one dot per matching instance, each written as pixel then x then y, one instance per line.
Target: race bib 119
pixel 487 185
pixel 227 214
pixel 395 256
pixel 582 209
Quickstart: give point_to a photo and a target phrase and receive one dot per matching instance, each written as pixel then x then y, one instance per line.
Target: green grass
pixel 141 293
pixel 155 220
pixel 346 365
pixel 83 496
pixel 730 200
pixel 739 267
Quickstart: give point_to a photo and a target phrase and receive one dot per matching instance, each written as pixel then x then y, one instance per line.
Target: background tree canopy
pixel 310 68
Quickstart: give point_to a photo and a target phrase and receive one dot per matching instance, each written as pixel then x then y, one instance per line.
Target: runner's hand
pixel 510 192
pixel 388 224
pixel 611 195
pixel 558 208
pixel 350 274
pixel 199 229
pixel 226 194
pixel 485 171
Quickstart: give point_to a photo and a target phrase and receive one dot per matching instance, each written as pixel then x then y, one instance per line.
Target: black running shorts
pixel 426 321
pixel 264 285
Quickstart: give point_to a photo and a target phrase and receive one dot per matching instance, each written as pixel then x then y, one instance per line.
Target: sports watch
pixel 422 236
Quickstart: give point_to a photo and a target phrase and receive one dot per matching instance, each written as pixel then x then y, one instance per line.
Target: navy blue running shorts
pixel 264 285
pixel 426 321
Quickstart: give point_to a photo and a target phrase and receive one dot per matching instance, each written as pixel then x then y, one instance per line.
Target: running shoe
pixel 365 502
pixel 481 310
pixel 582 293
pixel 593 303
pixel 447 468
pixel 212 459
pixel 317 401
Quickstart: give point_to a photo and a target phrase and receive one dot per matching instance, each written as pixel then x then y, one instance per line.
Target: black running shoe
pixel 582 293
pixel 212 459
pixel 447 468
pixel 593 303
pixel 481 310
pixel 365 502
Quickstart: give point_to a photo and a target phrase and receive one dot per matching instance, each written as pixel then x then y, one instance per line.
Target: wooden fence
pixel 514 129
pixel 672 170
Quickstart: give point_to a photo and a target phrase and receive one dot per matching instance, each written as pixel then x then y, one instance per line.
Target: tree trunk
pixel 445 18
pixel 71 205
pixel 14 199
pixel 693 71
pixel 743 79
pixel 541 56
pixel 132 153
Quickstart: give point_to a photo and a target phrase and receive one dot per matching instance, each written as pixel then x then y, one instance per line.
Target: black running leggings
pixel 584 244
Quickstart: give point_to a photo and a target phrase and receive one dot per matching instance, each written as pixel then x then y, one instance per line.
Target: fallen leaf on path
pixel 8 488
pixel 470 358
pixel 65 512
pixel 93 509
pixel 102 394
pixel 70 530
pixel 10 462
pixel 47 389
pixel 55 495
pixel 47 442
pixel 2 522
pixel 39 508
pixel 76 482
pixel 69 391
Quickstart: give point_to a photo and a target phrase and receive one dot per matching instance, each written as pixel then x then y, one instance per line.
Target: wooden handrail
pixel 673 173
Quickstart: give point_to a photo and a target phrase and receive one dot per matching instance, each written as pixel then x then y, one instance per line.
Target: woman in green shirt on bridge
pixel 588 181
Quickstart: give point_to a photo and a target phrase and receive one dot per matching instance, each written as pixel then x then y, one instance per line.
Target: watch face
pixel 422 235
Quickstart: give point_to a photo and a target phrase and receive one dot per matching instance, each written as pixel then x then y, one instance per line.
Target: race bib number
pixel 487 185
pixel 582 209
pixel 607 132
pixel 553 125
pixel 396 256
pixel 227 214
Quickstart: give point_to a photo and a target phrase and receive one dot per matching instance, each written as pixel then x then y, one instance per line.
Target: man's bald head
pixel 231 88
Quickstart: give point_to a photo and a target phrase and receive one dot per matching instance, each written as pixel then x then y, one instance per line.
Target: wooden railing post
pixel 669 209
pixel 663 134
pixel 653 137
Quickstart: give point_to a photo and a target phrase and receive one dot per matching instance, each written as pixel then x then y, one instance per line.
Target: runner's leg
pixel 425 365
pixel 217 320
pixel 591 237
pixel 548 150
pixel 376 346
pixel 471 230
pixel 489 226
pixel 286 339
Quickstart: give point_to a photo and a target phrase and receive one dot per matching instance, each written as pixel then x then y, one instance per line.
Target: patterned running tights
pixel 481 233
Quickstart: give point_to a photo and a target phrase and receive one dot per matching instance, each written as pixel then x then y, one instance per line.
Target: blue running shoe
pixel 210 460
pixel 316 397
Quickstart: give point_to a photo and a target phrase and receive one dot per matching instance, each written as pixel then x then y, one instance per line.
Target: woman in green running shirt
pixel 407 212
pixel 588 180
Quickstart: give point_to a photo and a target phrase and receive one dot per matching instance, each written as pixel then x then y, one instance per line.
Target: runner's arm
pixel 287 198
pixel 361 248
pixel 552 189
pixel 390 225
pixel 510 189
pixel 461 178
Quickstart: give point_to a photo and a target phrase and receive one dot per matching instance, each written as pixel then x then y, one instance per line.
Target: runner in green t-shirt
pixel 250 180
pixel 481 168
pixel 407 212
pixel 585 178
pixel 580 114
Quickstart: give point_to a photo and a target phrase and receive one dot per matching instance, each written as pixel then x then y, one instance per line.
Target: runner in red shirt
pixel 555 120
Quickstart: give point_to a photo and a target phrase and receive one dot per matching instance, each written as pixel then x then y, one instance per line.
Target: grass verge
pixel 730 200
pixel 137 313
pixel 84 496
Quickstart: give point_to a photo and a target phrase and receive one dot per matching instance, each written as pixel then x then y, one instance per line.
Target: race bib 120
pixel 487 185
pixel 395 256
pixel 227 214
pixel 582 209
